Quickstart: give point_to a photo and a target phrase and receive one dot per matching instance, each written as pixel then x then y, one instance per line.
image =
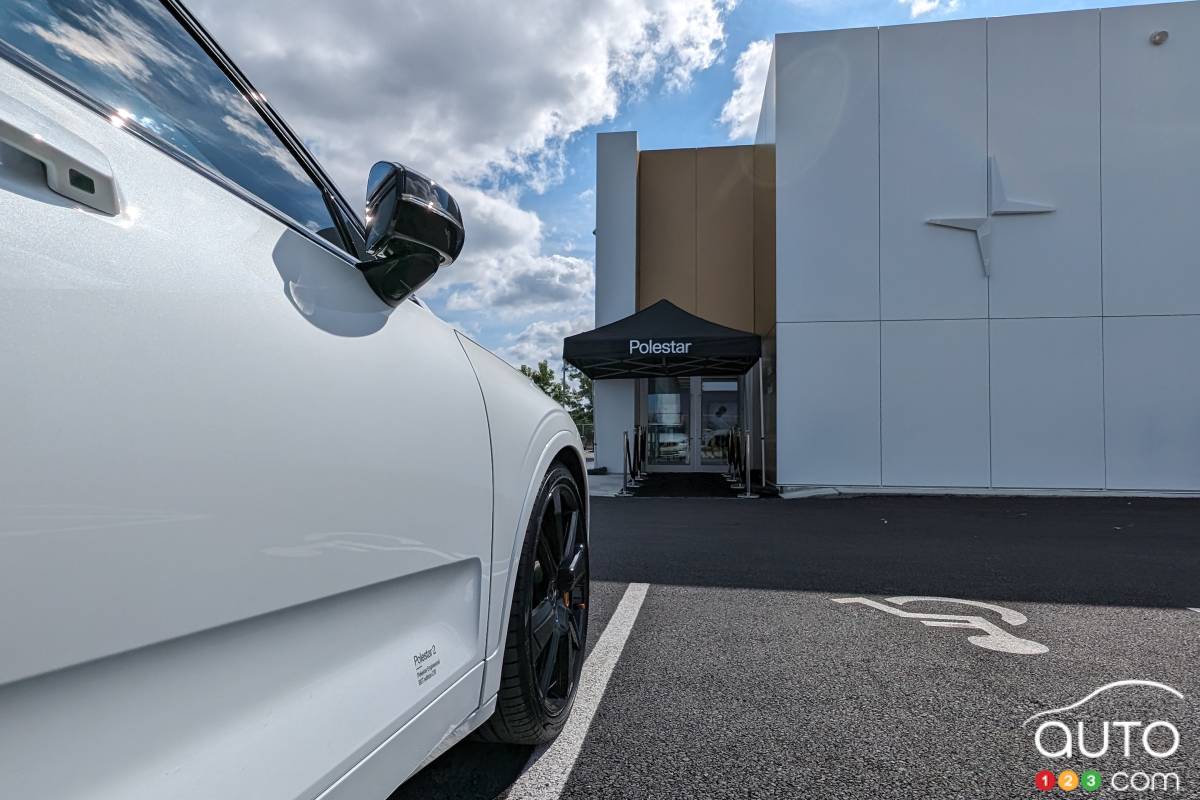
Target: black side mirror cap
pixel 413 226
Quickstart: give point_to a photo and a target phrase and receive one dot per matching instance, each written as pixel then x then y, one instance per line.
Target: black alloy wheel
pixel 547 629
pixel 558 621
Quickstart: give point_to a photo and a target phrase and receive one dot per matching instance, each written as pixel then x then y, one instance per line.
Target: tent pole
pixel 762 429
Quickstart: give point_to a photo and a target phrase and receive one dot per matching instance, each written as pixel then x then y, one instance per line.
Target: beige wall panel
pixel 725 235
pixel 667 228
pixel 764 239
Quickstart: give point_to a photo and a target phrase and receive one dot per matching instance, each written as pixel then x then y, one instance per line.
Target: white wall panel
pixel 1152 398
pixel 935 403
pixel 878 131
pixel 1044 131
pixel 827 390
pixel 1047 403
pixel 766 112
pixel 827 173
pixel 616 279
pixel 933 163
pixel 615 413
pixel 616 225
pixel 1151 158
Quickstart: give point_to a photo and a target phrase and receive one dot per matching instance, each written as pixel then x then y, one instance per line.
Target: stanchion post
pixel 748 494
pixel 633 455
pixel 639 452
pixel 645 448
pixel 739 458
pixel 634 477
pixel 734 455
pixel 625 484
pixel 728 454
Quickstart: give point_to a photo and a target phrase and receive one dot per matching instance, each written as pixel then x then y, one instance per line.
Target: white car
pixel 268 527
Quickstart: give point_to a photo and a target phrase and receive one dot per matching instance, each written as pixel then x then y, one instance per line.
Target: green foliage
pixel 574 394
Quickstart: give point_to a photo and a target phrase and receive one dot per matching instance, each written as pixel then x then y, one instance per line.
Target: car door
pixel 245 506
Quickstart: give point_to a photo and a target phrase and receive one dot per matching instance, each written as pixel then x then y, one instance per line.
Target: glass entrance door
pixel 668 422
pixel 719 414
pixel 689 422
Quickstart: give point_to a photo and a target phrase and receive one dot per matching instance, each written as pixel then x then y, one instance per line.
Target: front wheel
pixel 547 627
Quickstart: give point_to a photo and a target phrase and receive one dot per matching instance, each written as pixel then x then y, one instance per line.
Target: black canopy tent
pixel 663 340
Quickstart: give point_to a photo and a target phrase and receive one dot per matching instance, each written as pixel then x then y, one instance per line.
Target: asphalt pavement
pixel 880 647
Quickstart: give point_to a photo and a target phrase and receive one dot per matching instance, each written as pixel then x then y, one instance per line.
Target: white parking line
pixel 550 766
pixel 1194 609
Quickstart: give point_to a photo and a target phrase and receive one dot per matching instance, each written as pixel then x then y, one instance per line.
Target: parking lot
pixel 791 649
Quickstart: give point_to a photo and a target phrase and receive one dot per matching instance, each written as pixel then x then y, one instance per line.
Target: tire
pixel 547 626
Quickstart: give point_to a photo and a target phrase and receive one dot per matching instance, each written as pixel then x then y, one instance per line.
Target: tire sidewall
pixel 523 601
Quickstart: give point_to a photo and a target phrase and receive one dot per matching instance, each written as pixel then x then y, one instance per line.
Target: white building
pixel 971 250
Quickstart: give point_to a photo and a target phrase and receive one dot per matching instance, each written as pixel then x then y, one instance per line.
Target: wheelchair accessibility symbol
pixel 989 636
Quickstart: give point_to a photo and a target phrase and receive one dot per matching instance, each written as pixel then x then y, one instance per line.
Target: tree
pixel 544 378
pixel 580 397
pixel 574 393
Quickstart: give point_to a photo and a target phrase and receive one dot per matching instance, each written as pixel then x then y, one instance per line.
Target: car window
pixel 134 57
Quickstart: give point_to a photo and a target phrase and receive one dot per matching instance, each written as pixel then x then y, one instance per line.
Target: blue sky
pixel 690 117
pixel 502 102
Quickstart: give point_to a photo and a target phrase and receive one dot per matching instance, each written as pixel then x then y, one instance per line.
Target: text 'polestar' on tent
pixel 662 340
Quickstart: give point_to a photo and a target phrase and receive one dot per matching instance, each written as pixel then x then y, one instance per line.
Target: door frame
pixel 695 424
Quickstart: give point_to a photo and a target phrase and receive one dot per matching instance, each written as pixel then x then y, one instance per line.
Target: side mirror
pixel 413 228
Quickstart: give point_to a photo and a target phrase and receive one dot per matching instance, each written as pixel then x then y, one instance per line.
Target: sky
pixel 502 101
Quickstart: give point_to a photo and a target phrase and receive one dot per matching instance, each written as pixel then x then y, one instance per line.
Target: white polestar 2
pixel 268 527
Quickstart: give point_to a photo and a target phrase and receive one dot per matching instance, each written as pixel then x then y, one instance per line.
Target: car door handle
pixel 74 167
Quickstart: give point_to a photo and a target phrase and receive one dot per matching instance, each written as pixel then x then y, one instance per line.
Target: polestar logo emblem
pixel 998 205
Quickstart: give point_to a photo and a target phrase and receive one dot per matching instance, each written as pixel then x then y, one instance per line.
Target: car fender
pixel 528 432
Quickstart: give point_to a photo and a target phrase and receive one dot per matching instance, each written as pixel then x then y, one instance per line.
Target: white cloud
pixel 460 89
pixel 471 329
pixel 476 93
pixel 919 8
pixel 503 270
pixel 113 40
pixel 542 341
pixel 243 121
pixel 740 112
pixel 529 284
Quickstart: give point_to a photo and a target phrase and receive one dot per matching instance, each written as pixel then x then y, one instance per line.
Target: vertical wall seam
pixel 696 230
pixel 879 223
pixel 987 127
pixel 754 243
pixel 637 234
pixel 1100 159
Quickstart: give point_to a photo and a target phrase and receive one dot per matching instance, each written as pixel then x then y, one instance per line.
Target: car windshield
pixel 134 57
